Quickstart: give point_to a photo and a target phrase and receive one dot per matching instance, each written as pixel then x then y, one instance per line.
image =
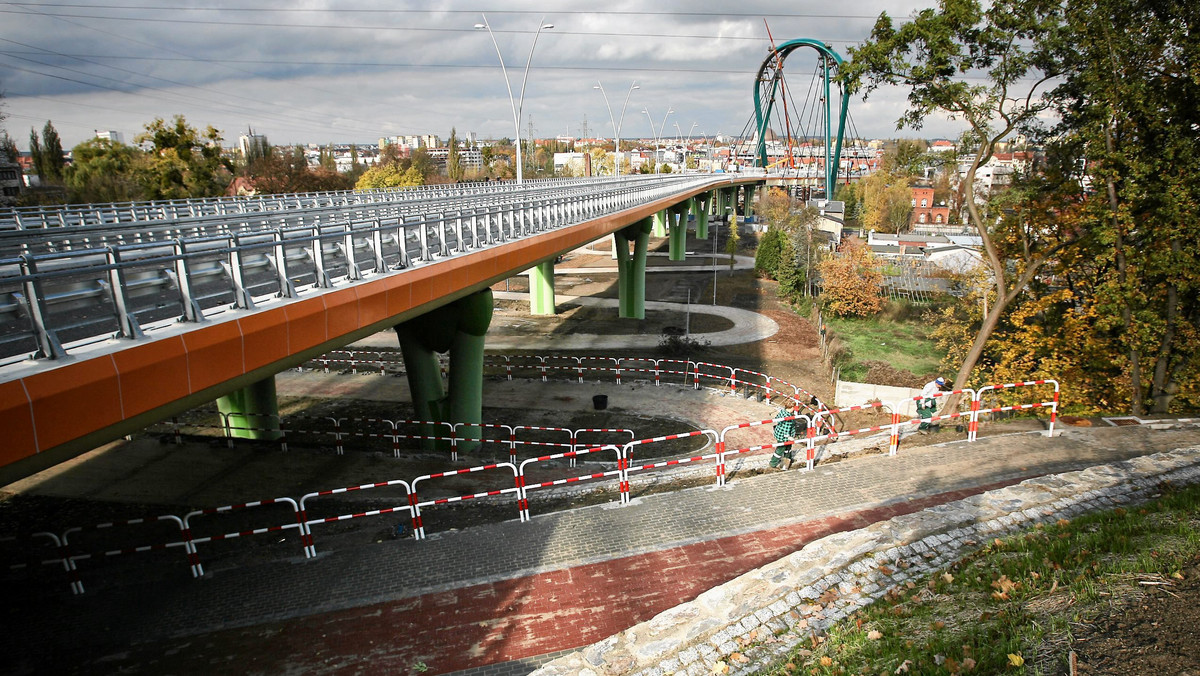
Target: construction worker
pixel 785 431
pixel 927 404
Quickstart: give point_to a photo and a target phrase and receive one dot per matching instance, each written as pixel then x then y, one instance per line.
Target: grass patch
pixel 904 344
pixel 1010 607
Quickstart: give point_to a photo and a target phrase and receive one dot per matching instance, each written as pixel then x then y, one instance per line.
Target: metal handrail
pixel 240 262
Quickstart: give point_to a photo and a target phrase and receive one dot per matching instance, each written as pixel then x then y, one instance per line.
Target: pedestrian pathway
pixel 748 327
pixel 486 597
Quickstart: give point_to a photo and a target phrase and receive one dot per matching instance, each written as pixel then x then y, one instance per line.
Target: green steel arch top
pixel 777 55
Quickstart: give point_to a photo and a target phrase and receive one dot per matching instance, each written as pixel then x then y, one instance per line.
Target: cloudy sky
pixel 320 71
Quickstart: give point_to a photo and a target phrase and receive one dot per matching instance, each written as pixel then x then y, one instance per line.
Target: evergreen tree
pixel 52 153
pixel 8 148
pixel 35 154
pixel 454 167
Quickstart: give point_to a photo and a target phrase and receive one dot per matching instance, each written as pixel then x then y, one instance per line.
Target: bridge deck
pixel 98 390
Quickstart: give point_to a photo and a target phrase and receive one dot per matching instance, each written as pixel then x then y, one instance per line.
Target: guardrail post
pixel 286 288
pixel 233 268
pixel 49 346
pixel 128 323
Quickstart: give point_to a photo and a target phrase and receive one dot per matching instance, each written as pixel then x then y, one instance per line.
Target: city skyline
pixel 323 75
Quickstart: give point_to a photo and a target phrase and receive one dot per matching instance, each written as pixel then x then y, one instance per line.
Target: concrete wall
pixel 852 394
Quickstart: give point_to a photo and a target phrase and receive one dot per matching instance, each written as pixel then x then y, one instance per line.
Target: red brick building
pixel 924 211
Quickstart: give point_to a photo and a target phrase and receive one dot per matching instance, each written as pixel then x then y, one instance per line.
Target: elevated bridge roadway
pixel 113 317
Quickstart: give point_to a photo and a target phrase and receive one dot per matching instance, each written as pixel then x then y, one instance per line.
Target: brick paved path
pixel 490 595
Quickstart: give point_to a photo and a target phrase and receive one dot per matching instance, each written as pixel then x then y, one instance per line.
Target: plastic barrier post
pixel 623 476
pixel 973 422
pixel 720 463
pixel 894 440
pixel 810 454
pixel 1053 407
pixel 418 529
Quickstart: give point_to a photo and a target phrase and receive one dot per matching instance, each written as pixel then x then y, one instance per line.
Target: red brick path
pixel 502 621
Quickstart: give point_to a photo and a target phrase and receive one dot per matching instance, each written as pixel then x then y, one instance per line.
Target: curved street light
pixel 516 109
pixel 658 134
pixel 616 125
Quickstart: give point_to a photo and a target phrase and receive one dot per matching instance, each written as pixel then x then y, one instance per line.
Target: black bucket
pixel 600 402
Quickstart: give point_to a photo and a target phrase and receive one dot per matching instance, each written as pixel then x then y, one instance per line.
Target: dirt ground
pixel 1151 632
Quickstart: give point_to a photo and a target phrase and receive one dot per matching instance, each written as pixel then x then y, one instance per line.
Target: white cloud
pixel 356 75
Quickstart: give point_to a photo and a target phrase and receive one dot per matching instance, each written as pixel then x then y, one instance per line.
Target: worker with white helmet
pixel 927 405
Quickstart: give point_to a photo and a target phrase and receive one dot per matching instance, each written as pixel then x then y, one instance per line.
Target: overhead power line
pixel 376 27
pixel 548 11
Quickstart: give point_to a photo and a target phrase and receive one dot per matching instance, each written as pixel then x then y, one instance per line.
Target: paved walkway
pixel 748 327
pixel 486 598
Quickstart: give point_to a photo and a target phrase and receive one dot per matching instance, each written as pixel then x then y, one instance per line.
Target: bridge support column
pixel 458 328
pixel 660 223
pixel 700 207
pixel 749 210
pixel 677 227
pixel 252 412
pixel 541 288
pixel 722 201
pixel 631 268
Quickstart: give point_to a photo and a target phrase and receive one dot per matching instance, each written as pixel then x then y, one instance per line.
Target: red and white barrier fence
pixel 310 549
pixel 817 429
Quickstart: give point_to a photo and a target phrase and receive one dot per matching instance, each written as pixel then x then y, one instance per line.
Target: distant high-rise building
pixel 113 136
pixel 245 141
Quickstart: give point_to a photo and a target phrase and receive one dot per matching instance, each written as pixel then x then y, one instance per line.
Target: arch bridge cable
pixel 769 87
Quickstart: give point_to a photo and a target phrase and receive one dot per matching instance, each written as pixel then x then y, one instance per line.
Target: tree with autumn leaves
pixel 1091 270
pixel 852 281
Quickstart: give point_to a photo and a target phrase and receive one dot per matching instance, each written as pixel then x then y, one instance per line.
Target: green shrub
pixel 766 259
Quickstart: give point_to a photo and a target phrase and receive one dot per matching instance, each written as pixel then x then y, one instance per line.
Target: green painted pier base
pixel 252 412
pixel 748 210
pixel 701 204
pixel 631 268
pixel 541 289
pixel 677 230
pixel 458 328
pixel 660 223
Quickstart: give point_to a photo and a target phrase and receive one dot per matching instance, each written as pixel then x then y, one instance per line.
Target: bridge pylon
pixel 631 268
pixel 458 328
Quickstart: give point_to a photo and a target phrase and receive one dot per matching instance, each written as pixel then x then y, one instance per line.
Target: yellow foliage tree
pixel 852 281
pixel 389 176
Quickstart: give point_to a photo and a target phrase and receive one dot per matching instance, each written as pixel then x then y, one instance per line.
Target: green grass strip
pixel 1008 607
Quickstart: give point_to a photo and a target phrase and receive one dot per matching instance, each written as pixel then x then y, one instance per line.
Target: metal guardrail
pixel 93 276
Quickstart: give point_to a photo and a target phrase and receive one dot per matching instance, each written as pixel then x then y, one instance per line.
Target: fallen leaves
pixel 826 661
pixel 874 635
pixel 720 668
pixel 1015 660
pixel 739 658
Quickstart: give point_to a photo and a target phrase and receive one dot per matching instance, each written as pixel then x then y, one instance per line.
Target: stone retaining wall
pixel 781 598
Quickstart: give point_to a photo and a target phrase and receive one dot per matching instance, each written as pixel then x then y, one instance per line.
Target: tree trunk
pixel 1160 385
pixel 1135 355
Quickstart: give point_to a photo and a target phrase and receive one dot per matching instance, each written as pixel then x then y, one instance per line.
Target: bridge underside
pixel 102 392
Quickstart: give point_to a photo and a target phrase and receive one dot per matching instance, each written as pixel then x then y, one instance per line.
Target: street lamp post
pixel 516 109
pixel 616 124
pixel 657 134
